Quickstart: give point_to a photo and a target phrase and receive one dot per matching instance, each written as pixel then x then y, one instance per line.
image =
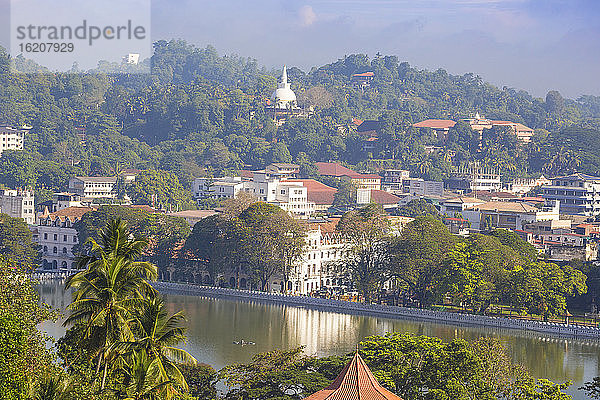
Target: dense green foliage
pixel 119 322
pixel 13 363
pixel 367 260
pixel 413 367
pixel 160 189
pixel 163 232
pixel 16 241
pixel 23 352
pixel 199 113
pixel 259 239
pixel 427 265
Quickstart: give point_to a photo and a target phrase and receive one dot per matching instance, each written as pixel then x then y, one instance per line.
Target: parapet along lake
pixel 214 324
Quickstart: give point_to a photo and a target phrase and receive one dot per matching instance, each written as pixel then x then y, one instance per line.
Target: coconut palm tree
pixel 141 378
pixel 157 334
pixel 53 387
pixel 116 239
pixel 111 287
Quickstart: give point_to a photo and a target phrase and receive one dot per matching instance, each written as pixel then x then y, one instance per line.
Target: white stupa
pixel 284 97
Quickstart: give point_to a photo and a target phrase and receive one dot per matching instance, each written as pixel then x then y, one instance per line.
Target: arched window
pixel 45 249
pixel 54 264
pixel 64 264
pixel 55 250
pixel 64 250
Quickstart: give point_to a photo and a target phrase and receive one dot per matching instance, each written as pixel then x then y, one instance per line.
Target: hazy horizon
pixel 532 45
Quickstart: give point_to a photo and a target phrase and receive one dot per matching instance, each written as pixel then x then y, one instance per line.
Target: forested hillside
pixel 199 113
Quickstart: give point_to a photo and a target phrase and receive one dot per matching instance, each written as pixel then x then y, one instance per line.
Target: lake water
pixel 214 324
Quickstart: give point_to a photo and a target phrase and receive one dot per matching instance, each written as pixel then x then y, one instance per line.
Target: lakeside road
pixel 394 312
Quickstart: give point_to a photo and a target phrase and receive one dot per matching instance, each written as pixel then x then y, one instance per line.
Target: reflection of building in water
pixel 324 332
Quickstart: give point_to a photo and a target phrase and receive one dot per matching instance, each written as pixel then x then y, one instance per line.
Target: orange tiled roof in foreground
pixel 355 382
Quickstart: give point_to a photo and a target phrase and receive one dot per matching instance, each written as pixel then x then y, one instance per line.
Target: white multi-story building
pixel 509 215
pixel 270 185
pixel 11 138
pixel 219 188
pixel 317 269
pixel 56 237
pixel 421 187
pixel 18 203
pixel 93 186
pixel 392 180
pixel 577 193
pixel 522 186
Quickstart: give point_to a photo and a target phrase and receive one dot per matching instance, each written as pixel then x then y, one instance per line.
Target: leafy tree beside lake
pixel 16 241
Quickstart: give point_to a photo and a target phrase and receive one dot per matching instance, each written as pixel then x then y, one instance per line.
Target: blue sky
pixel 536 45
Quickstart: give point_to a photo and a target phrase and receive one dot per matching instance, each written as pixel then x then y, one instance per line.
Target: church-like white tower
pixel 284 97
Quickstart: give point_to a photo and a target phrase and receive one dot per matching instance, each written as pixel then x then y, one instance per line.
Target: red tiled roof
pixel 246 173
pixel 357 121
pixel 338 170
pixel 455 219
pixel 317 192
pixel 365 74
pixel 355 382
pixel 383 197
pixel 326 227
pixel 143 207
pixel 333 169
pixel 435 124
pixel 518 126
pixel 73 213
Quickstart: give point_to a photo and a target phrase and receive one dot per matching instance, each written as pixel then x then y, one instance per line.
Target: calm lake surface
pixel 214 324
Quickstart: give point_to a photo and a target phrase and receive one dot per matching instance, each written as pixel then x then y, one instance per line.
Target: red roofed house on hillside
pixel 442 126
pixel 361 181
pixel 355 382
pixel 363 80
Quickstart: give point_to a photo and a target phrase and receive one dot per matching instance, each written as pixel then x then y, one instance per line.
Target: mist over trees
pixel 200 113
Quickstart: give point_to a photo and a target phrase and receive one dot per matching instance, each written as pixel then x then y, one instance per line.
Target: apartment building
pixel 509 215
pixel 57 236
pixel 93 186
pixel 579 194
pixel 524 185
pixel 392 180
pixel 11 138
pixel 217 188
pixel 270 185
pixel 317 268
pixel 18 203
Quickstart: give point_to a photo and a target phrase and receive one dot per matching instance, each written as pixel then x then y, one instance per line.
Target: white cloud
pixel 307 15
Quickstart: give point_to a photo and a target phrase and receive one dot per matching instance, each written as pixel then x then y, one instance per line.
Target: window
pixel 55 236
pixel 64 238
pixel 64 250
pixel 55 250
pixel 45 236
